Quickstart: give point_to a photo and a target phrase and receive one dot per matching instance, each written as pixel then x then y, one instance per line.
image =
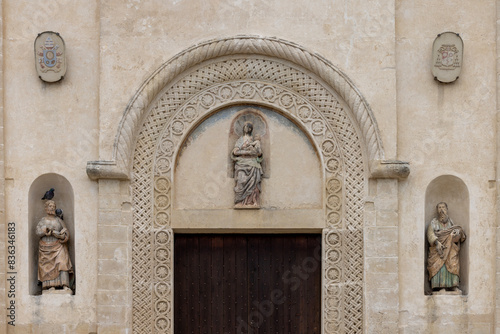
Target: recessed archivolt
pixel 276 63
pixel 275 48
pixel 248 92
pixel 183 103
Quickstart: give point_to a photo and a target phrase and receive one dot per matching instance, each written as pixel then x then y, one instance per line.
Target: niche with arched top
pixel 453 191
pixel 64 198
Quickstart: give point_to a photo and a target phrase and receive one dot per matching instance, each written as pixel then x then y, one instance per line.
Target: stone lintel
pixel 241 221
pixel 389 169
pixel 105 170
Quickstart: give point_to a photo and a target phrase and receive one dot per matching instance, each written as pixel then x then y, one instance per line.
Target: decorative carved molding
pixel 275 48
pixel 321 114
pixel 244 70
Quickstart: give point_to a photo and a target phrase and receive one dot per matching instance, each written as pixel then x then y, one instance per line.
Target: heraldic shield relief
pixel 447 57
pixel 50 56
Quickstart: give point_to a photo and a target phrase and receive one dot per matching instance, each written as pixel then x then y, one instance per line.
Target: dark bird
pixel 49 194
pixel 59 213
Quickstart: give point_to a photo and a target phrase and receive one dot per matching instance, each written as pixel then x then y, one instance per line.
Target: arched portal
pixel 265 72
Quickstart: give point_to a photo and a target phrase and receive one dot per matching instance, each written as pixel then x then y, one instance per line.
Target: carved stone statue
pixel 54 263
pixel 247 157
pixel 443 263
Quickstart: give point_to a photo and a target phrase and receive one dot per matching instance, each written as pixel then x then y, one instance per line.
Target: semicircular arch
pixel 163 77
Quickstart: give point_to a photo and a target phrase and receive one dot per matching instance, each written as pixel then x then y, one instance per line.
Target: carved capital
pixel 389 169
pixel 105 170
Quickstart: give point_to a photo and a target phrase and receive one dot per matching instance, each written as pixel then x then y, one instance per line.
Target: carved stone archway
pixel 246 70
pixel 333 78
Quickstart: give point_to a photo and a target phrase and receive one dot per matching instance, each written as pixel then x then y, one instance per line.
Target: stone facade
pixel 139 129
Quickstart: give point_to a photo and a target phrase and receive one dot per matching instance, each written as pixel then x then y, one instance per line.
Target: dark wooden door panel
pixel 227 284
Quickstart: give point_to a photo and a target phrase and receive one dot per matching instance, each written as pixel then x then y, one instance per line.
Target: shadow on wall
pixel 453 191
pixel 64 198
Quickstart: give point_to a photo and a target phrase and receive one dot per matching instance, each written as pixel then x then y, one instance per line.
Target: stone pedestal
pixel 57 292
pixel 444 292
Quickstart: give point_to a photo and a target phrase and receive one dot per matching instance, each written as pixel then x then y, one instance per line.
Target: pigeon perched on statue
pixel 59 213
pixel 49 194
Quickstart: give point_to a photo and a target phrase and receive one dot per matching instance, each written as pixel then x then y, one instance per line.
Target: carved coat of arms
pixel 50 56
pixel 447 57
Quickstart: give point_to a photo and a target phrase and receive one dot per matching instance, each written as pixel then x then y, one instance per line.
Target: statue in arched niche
pixel 54 263
pixel 443 262
pixel 248 158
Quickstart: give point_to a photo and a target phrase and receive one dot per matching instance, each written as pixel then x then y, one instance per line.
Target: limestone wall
pixel 3 268
pixel 447 129
pixel 52 128
pixel 383 47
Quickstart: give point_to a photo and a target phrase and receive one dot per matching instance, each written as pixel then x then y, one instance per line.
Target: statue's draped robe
pixel 248 174
pixel 444 271
pixel 54 263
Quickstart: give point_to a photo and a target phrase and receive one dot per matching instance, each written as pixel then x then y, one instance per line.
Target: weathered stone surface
pixel 444 145
pixel 390 169
pixel 382 50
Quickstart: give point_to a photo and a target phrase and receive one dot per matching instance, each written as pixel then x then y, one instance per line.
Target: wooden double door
pixel 232 284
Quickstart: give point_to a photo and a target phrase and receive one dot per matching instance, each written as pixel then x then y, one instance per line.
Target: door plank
pixel 216 284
